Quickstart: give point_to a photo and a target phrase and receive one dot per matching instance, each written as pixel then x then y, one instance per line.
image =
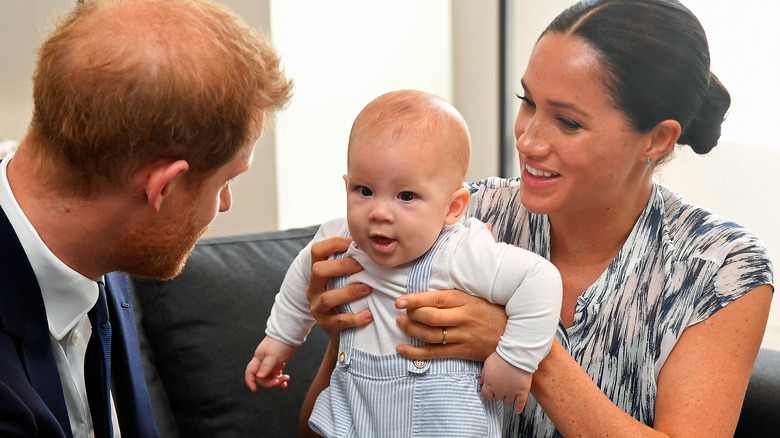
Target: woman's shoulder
pixel 492 194
pixel 496 201
pixel 494 184
pixel 697 232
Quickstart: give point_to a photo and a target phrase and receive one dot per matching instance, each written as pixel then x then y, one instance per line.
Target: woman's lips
pixel 540 173
pixel 534 178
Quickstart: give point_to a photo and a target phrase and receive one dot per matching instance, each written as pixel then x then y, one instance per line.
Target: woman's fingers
pixel 323 308
pixel 326 248
pixel 425 333
pixel 323 302
pixel 322 268
pixel 336 297
pixel 441 299
pixel 339 321
pixel 434 337
pixel 473 325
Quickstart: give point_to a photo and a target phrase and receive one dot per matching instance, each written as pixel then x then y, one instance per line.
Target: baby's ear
pixel 458 204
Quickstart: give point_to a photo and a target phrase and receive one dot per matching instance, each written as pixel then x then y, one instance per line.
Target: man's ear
pixel 458 204
pixel 662 138
pixel 159 181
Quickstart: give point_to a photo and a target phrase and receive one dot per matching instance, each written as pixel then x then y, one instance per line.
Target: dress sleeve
pixel 741 263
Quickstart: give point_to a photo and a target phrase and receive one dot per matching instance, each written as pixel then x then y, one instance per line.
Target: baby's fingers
pixel 279 380
pixel 520 402
pixel 267 366
pixel 487 394
pixel 249 374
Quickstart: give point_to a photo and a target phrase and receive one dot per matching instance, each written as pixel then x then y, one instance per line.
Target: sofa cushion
pixel 203 327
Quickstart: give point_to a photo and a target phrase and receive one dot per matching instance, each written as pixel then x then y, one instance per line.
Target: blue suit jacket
pixel 31 398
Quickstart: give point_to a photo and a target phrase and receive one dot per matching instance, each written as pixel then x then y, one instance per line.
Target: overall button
pixel 420 363
pixel 342 357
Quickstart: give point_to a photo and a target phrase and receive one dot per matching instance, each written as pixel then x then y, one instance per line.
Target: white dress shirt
pixel 67 296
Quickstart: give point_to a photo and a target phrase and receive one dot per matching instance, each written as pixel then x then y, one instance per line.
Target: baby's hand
pixel 503 381
pixel 266 366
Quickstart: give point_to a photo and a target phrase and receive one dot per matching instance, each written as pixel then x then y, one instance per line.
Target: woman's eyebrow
pixel 556 103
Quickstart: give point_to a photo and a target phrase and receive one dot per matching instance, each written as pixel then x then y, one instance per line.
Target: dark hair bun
pixel 703 131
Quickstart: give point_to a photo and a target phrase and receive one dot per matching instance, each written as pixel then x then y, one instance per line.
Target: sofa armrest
pixel 203 326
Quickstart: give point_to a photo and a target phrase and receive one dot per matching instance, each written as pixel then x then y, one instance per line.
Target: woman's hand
pixel 323 309
pixel 473 325
pixel 323 302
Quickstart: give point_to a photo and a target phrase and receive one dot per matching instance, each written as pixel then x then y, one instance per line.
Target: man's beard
pixel 160 252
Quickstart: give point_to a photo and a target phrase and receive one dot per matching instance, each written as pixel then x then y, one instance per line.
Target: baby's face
pixel 397 201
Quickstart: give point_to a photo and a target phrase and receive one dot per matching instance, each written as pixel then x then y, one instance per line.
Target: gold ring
pixel 444 337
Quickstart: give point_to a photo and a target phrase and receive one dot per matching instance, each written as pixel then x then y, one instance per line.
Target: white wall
pixel 475 70
pixel 22 28
pixel 254 192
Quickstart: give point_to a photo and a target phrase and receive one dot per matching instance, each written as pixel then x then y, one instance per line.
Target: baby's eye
pixel 365 191
pixel 406 196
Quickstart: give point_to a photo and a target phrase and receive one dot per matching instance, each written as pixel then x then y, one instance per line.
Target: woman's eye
pixel 365 191
pixel 569 124
pixel 526 101
pixel 406 196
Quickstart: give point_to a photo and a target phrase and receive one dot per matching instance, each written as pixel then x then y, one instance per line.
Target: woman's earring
pixel 648 160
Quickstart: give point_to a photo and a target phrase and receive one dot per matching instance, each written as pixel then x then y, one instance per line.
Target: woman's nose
pixel 530 138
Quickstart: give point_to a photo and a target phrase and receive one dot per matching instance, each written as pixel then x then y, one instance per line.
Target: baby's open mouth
pixel 382 243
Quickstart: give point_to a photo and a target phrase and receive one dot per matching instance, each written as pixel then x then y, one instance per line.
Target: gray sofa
pixel 199 330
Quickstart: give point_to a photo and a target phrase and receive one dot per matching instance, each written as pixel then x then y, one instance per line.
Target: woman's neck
pixel 597 234
pixel 584 243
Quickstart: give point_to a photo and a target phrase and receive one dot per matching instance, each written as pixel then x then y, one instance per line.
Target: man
pixel 144 110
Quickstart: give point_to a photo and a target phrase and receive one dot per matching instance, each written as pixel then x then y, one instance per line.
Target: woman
pixel 664 304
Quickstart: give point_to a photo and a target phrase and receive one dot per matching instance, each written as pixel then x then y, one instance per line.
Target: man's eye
pixel 406 196
pixel 365 191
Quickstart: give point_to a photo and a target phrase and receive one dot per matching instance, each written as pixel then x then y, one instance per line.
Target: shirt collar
pixel 67 295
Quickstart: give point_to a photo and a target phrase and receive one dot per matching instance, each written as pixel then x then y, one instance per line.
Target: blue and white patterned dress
pixel 680 265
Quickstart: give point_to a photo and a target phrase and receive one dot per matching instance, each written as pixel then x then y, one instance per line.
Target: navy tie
pixel 97 367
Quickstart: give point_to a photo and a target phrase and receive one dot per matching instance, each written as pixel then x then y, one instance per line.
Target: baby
pixel 406 162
